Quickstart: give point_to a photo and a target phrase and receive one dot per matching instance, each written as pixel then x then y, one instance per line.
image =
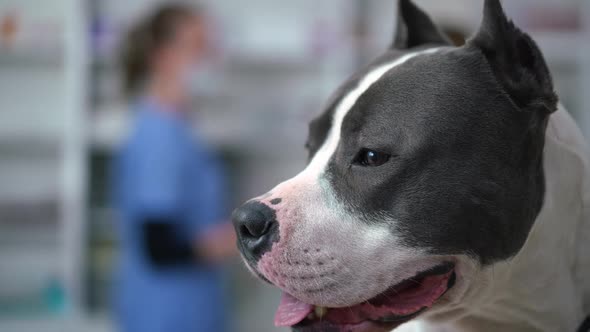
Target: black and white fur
pixel 484 169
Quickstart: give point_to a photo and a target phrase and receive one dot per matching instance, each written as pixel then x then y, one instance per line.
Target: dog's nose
pixel 256 227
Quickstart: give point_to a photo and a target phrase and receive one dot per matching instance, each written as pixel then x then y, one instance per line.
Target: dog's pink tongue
pixel 291 311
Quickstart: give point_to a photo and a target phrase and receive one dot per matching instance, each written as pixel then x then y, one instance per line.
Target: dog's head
pixel 425 167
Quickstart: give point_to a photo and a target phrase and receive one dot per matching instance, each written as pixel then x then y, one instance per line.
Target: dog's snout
pixel 256 227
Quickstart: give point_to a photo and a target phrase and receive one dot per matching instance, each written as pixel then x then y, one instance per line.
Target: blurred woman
pixel 168 187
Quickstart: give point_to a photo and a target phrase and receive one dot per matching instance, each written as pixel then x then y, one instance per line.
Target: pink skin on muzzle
pixel 299 264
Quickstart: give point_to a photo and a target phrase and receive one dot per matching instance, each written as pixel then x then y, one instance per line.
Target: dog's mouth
pixel 397 305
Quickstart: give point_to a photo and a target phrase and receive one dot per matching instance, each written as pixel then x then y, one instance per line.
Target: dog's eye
pixel 371 158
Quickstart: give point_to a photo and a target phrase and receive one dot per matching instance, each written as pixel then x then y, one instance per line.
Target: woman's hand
pixel 217 244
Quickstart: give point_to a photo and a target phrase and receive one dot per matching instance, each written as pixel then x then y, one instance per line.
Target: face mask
pixel 202 80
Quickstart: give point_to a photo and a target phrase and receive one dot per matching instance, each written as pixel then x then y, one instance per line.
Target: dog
pixel 447 189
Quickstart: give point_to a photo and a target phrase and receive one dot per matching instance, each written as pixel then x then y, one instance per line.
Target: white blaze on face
pixel 322 157
pixel 319 162
pixel 321 244
pixel 307 187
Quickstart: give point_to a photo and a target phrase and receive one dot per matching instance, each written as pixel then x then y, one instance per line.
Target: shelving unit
pixel 41 169
pixel 29 168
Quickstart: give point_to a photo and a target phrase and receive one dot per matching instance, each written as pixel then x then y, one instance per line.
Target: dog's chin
pixel 399 304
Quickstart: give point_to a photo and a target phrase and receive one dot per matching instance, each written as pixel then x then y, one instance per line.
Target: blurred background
pixel 62 114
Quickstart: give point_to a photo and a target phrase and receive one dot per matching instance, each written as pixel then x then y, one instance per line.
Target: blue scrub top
pixel 164 170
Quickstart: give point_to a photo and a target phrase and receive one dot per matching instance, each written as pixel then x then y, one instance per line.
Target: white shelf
pixel 58 325
pixel 30 59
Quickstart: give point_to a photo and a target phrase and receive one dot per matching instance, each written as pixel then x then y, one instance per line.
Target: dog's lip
pixel 369 315
pixel 367 326
pixel 364 326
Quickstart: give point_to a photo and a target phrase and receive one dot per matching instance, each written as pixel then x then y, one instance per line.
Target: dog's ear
pixel 515 60
pixel 415 28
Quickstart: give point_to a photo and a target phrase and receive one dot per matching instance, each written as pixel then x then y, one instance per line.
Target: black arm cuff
pixel 162 245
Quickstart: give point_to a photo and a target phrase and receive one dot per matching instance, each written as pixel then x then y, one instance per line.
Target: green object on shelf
pixel 54 296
